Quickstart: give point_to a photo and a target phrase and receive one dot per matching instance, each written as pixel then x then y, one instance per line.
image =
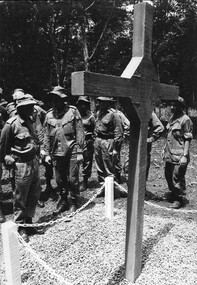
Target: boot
pixel 32 230
pixel 45 195
pixel 2 217
pixel 23 232
pixel 118 178
pixel 75 205
pixel 62 205
pixel 84 185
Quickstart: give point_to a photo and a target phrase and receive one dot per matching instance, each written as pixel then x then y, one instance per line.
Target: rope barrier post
pixel 11 253
pixel 109 197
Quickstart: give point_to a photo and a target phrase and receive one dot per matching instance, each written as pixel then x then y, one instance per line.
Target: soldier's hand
pixel 48 159
pixel 79 157
pixel 150 140
pixel 42 153
pixel 9 160
pixel 183 160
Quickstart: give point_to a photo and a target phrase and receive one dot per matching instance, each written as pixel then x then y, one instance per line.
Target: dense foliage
pixel 42 42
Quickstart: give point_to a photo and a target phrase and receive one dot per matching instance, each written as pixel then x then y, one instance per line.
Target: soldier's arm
pixel 6 141
pixel 45 148
pixel 118 131
pixel 188 135
pixel 79 131
pixel 156 128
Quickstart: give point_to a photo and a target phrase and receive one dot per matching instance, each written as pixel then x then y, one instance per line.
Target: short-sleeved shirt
pixel 179 131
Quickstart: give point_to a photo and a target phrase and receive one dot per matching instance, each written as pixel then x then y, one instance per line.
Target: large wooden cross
pixel 137 86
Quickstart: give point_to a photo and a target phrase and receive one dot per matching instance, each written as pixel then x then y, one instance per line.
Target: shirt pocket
pixel 68 125
pixel 22 140
pixel 177 131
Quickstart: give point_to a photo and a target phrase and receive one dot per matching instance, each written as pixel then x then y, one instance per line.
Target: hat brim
pixel 25 103
pixel 61 95
pixel 105 99
pixel 85 101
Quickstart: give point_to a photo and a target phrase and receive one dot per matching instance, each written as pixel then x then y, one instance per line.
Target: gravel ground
pixel 89 249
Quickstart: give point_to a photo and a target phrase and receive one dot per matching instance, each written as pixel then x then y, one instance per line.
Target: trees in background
pixel 42 42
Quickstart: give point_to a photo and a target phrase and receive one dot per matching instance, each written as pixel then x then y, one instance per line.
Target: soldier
pixel 126 127
pixel 176 152
pixel 155 130
pixel 11 107
pixel 18 151
pixel 88 120
pixel 3 118
pixel 63 143
pixel 109 135
pixel 49 190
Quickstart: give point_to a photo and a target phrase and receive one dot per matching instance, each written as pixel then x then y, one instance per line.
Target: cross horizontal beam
pixel 96 84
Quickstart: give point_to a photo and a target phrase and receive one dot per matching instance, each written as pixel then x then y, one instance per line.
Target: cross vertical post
pixel 137 89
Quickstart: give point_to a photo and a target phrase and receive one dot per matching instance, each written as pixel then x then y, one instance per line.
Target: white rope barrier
pixel 42 262
pixel 170 209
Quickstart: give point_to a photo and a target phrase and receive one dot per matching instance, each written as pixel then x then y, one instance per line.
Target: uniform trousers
pixel 175 177
pixel 104 159
pixel 88 152
pixel 67 174
pixel 26 189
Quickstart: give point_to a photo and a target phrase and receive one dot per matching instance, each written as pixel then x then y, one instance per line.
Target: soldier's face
pixel 104 105
pixel 26 111
pixel 175 107
pixel 83 107
pixel 58 102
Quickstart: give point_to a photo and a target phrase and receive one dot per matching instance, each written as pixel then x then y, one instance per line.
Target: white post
pixel 11 253
pixel 109 197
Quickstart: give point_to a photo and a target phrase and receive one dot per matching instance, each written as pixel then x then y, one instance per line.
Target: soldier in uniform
pixel 18 151
pixel 176 152
pixel 3 119
pixel 109 135
pixel 11 107
pixel 49 191
pixel 155 130
pixel 63 144
pixel 126 129
pixel 88 119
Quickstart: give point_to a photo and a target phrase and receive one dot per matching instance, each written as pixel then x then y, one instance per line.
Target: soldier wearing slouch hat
pixel 18 151
pixel 63 143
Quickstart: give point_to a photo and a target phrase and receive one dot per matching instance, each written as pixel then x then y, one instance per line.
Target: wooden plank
pixel 95 84
pixel 142 30
pixel 165 91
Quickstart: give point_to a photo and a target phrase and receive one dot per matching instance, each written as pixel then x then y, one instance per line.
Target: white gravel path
pixel 90 250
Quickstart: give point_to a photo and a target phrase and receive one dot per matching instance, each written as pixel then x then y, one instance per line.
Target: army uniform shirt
pixel 179 130
pixel 62 131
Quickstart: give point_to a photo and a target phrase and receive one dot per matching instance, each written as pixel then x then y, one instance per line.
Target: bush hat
pixel 59 91
pixel 84 99
pixel 105 99
pixel 3 102
pixel 25 101
pixel 18 93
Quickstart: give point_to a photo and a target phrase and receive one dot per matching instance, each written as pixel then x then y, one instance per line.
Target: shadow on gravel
pixel 152 241
pixel 118 276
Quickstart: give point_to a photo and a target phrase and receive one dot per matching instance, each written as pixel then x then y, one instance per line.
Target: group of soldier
pixel 66 136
